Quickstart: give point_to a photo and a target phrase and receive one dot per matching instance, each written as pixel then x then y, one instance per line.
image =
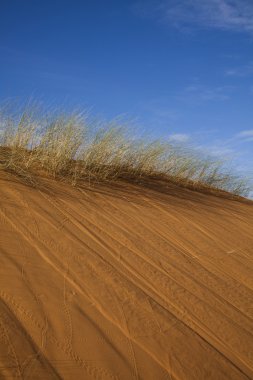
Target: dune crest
pixel 122 282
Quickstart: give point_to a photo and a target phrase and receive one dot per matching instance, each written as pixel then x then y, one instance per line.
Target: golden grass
pixel 70 147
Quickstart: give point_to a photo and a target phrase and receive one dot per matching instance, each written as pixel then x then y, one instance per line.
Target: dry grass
pixel 72 148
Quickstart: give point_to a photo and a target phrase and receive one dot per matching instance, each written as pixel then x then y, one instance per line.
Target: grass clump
pixel 70 147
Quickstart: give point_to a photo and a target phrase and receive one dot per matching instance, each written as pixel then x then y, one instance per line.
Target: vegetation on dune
pixel 71 147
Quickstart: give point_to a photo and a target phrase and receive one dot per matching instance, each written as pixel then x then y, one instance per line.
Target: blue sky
pixel 180 68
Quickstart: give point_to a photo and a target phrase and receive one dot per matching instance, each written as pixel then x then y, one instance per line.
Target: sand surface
pixel 124 283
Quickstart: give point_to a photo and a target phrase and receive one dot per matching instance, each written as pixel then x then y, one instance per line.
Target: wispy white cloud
pixel 247 133
pixel 246 136
pixel 219 14
pixel 197 94
pixel 179 137
pixel 235 143
pixel 242 71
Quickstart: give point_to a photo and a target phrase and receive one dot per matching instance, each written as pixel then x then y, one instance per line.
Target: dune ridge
pixel 122 282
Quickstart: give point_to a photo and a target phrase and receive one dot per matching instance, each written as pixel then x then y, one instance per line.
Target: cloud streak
pixel 245 136
pixel 179 137
pixel 218 14
pixel 243 71
pixel 197 94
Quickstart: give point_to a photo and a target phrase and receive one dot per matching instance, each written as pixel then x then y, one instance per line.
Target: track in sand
pixel 124 282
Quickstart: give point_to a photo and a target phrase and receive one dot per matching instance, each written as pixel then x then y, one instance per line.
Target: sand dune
pixel 124 283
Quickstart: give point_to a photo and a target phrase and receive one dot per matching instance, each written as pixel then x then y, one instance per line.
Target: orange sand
pixel 124 283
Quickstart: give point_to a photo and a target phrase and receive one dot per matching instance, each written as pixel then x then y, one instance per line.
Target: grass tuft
pixel 70 147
